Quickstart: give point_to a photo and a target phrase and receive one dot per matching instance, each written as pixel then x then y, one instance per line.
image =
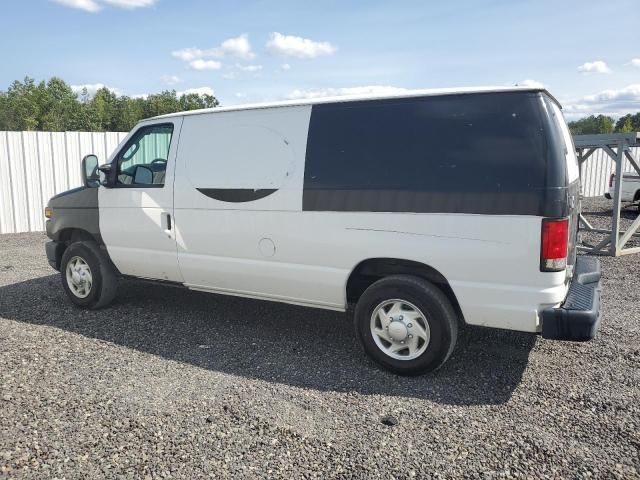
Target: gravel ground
pixel 172 383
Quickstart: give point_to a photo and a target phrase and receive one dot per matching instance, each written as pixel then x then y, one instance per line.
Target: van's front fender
pixel 74 209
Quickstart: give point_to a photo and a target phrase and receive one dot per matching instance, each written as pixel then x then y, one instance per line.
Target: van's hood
pixel 81 197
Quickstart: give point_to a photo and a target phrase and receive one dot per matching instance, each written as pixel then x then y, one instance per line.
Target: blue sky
pixel 587 52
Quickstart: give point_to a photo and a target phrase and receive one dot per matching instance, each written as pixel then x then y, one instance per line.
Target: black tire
pixel 104 281
pixel 434 305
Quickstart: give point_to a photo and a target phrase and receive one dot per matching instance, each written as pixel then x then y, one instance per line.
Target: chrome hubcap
pixel 400 329
pixel 79 277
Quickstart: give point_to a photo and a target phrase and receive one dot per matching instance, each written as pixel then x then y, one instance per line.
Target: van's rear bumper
pixel 578 318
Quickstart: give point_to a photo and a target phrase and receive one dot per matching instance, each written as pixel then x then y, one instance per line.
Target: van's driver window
pixel 143 161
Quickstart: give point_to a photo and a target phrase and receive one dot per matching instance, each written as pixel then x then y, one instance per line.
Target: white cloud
pixel 201 65
pixel 237 47
pixel 635 62
pixel 285 67
pixel 170 79
pixel 188 54
pixel 336 92
pixel 248 68
pixel 130 4
pixel 615 102
pixel 95 5
pixel 86 5
pixel 92 88
pixel 198 91
pixel 531 84
pixel 292 46
pixel 597 66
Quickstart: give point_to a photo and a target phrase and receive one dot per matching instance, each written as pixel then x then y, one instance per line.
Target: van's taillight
pixel 611 179
pixel 555 239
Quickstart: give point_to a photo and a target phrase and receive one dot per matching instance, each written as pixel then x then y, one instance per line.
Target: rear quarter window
pixel 470 153
pixel 573 170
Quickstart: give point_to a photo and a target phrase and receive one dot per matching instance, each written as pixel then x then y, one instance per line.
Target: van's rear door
pixel 573 182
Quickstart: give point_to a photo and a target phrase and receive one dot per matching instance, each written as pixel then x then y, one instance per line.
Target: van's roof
pixel 353 98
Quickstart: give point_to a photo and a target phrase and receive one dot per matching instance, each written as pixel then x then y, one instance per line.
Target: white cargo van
pixel 424 210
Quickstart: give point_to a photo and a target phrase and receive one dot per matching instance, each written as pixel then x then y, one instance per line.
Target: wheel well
pixel 371 270
pixel 71 235
pixel 68 236
pixel 636 197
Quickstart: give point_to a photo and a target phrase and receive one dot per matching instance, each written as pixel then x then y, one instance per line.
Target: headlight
pixel 48 212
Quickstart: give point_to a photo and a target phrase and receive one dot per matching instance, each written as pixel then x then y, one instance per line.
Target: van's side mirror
pixel 105 178
pixel 90 176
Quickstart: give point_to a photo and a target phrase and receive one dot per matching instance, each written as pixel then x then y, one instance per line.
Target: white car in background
pixel 630 188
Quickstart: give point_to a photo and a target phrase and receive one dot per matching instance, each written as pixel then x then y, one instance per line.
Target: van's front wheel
pixel 87 276
pixel 406 324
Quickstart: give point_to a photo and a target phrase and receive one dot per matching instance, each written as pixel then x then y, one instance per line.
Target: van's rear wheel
pixel 406 324
pixel 87 276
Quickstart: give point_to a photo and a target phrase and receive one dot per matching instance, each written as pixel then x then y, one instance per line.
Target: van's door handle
pixel 166 222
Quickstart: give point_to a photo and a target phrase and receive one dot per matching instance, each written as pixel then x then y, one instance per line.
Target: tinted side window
pixel 143 160
pixel 470 153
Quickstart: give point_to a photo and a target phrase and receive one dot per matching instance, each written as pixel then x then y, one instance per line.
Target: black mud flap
pixel 578 318
pixel 54 253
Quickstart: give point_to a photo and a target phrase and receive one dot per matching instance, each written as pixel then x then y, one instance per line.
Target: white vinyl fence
pixel 34 166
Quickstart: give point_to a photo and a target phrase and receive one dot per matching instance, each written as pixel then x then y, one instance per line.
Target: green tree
pixel 104 108
pixel 22 105
pixel 162 103
pixel 628 123
pixel 592 125
pixel 193 101
pixel 627 127
pixel 209 101
pixel 54 106
pixel 58 106
pixel 135 111
pixel 4 112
